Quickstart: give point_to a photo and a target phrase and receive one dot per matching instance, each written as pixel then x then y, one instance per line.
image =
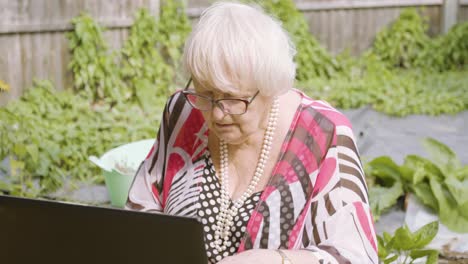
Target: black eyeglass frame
pixel 246 101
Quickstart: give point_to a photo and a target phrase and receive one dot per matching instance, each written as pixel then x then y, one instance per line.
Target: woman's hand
pixel 269 256
pixel 257 256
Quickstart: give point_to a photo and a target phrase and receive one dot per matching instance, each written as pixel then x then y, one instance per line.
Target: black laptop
pixel 40 231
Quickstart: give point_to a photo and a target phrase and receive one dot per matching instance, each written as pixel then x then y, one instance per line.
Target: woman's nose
pixel 217 113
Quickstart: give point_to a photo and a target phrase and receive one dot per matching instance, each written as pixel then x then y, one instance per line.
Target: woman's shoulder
pixel 176 100
pixel 322 110
pixel 179 111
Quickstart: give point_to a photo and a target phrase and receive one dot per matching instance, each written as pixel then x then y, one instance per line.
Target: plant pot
pixel 119 166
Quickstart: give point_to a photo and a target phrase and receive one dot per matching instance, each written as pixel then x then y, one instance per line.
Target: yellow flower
pixel 4 86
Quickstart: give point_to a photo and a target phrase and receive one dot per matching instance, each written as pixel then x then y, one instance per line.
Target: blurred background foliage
pixel 117 96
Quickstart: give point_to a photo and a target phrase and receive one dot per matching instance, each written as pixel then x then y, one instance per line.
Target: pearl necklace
pixel 227 213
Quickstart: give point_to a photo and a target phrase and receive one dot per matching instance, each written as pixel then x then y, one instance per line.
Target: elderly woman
pixel 274 176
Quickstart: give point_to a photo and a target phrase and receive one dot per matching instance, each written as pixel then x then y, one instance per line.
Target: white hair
pixel 237 47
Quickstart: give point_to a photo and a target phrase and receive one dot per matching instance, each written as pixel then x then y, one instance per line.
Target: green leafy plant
pixel 313 61
pixel 405 246
pixel 405 44
pixel 367 81
pixel 397 75
pixel 384 195
pixel 449 51
pixel 144 70
pixel 48 135
pixel 400 44
pixel 441 183
pixel 95 73
pixel 173 29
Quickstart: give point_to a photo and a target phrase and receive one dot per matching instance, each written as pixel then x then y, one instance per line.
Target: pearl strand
pixel 225 218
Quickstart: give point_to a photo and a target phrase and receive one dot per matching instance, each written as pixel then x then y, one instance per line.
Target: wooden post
pixel 450 12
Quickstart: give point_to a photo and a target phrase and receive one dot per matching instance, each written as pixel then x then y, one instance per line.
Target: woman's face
pixel 235 129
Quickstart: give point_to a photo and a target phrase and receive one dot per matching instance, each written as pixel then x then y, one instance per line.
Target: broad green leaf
pixel 420 168
pixel 463 209
pixel 16 167
pixel 458 189
pixel 442 155
pixel 405 243
pixel 403 239
pixel 382 198
pixel 431 254
pixel 385 169
pixel 462 173
pixel 424 193
pixel 19 150
pixel 33 152
pixel 450 215
pixel 425 234
pixel 391 259
pixel 433 257
pixel 407 174
pixel 5 186
pixel 387 237
pixel 382 250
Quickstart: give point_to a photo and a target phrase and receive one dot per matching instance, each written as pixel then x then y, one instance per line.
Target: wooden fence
pixel 463 11
pixel 33 42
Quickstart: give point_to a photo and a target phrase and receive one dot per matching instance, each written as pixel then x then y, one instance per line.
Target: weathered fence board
pixel 320 5
pixel 33 42
pixel 355 29
pixel 463 11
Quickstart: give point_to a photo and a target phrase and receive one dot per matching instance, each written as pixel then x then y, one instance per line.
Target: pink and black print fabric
pixel 209 201
pixel 316 198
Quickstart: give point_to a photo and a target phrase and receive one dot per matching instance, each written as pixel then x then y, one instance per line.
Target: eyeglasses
pixel 232 106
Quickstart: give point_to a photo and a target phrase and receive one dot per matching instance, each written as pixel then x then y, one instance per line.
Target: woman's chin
pixel 227 137
pixel 230 137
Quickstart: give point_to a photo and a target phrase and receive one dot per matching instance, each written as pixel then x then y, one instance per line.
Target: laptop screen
pixel 39 231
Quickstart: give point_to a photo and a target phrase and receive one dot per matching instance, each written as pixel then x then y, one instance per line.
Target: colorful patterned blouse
pixel 316 198
pixel 209 204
